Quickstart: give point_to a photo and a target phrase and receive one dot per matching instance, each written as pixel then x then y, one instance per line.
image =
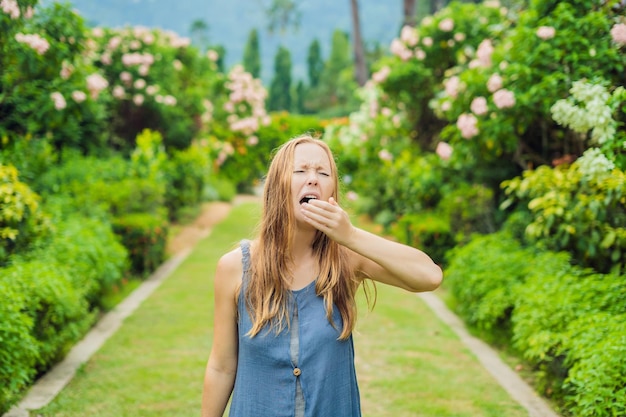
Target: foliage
pixel 145 236
pixel 251 55
pixel 280 87
pixel 429 231
pixel 22 221
pixel 576 210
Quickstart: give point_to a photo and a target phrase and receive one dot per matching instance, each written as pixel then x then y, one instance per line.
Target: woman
pixel 285 302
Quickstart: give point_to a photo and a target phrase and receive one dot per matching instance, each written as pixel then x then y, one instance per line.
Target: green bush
pixel 145 237
pixel 187 173
pixel 22 221
pixel 469 209
pixel 484 277
pixel 428 231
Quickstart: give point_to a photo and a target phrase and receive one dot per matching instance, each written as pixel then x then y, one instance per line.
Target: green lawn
pixel 409 364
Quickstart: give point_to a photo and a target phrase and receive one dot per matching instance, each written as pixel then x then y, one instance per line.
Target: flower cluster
pixel 546 32
pixel 587 109
pixel 467 124
pixel 618 33
pixel 246 102
pixel 35 41
pixel 594 165
pixel 11 8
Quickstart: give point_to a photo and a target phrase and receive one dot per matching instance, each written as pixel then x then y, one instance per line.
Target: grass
pixel 408 362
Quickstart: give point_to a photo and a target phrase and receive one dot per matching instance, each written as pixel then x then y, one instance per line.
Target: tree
pixel 199 31
pixel 408 11
pixel 315 63
pixel 251 55
pixel 283 13
pixel 360 67
pixel 280 88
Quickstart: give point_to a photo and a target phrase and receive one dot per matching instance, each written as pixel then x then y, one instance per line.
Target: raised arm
pixel 377 258
pixel 221 368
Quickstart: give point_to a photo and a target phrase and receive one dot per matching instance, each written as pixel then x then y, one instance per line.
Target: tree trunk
pixel 357 42
pixel 408 10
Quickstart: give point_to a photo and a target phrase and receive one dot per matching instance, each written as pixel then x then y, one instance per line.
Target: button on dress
pixel 270 375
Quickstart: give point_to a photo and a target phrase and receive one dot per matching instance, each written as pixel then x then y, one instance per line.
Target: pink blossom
pixel 114 42
pixel 134 44
pixel 152 89
pixel 169 100
pixel 148 38
pixel 118 92
pixel 546 32
pixel 485 49
pixel 126 77
pixel 11 8
pixel 29 13
pixel 95 84
pixel 397 47
pixel 409 35
pixel 212 55
pixel 446 25
pixel 504 98
pixel 79 96
pixel 59 100
pixel 143 70
pixel 459 37
pixel 138 99
pixel 494 83
pixel 381 75
pixel 97 32
pixel 66 70
pixel 385 155
pixel 479 106
pixel 444 150
pixel 618 33
pixel 420 54
pixel 36 42
pixel 177 65
pixel 446 105
pixel 252 141
pixel 140 83
pixel 467 125
pixel 427 41
pixel 352 196
pixel 106 59
pixel 451 85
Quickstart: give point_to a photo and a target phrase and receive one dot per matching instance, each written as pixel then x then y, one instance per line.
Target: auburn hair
pixel 266 292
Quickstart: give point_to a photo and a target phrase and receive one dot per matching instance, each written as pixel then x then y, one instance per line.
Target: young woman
pixel 285 301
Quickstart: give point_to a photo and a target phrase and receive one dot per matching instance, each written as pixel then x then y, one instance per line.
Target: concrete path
pixel 48 387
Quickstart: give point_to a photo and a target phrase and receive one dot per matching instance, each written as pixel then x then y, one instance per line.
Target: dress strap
pixel 245 250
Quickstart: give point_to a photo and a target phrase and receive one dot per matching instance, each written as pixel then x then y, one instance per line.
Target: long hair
pixel 271 269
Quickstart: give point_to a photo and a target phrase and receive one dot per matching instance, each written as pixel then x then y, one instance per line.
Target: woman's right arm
pixel 221 368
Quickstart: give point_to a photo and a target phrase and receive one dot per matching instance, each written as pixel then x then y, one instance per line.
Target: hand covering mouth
pixel 307 198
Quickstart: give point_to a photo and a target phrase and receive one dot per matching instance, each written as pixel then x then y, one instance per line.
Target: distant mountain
pixel 230 22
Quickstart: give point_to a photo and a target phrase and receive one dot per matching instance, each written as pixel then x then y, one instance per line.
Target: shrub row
pixel 567 322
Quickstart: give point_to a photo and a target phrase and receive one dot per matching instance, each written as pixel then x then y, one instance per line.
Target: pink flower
pixel 420 54
pixel 459 37
pixel 427 41
pixel 479 106
pixel 381 75
pixel 444 150
pixel 494 83
pixel 446 25
pixel 79 96
pixel 504 98
pixel 140 83
pixel 409 36
pixel 95 84
pixel 252 141
pixel 212 55
pixel 169 100
pixel 485 49
pixel 29 13
pixel 467 125
pixel 11 8
pixel 446 105
pixel 118 92
pixel 59 100
pixel 546 32
pixel 451 85
pixel 36 42
pixel 618 33
pixel 385 155
pixel 66 70
pixel 138 99
pixel 352 196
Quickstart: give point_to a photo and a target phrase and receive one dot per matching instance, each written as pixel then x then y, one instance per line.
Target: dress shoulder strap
pixel 245 250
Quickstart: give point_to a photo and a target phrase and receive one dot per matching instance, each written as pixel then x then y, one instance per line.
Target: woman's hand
pixel 329 218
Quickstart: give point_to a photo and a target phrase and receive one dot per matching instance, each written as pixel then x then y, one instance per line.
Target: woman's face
pixel 312 176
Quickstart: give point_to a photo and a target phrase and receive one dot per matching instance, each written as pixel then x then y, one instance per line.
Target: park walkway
pixel 485 385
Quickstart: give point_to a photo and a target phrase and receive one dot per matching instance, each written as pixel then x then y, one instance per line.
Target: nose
pixel 312 179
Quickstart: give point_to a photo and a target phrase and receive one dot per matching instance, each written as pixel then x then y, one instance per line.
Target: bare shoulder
pixel 229 270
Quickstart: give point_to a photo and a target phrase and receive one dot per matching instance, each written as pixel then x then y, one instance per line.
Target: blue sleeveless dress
pixel 267 378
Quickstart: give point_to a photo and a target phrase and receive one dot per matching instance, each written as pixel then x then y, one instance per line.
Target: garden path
pixel 46 389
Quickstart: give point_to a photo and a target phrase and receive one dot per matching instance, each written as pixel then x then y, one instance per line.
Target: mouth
pixel 307 198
